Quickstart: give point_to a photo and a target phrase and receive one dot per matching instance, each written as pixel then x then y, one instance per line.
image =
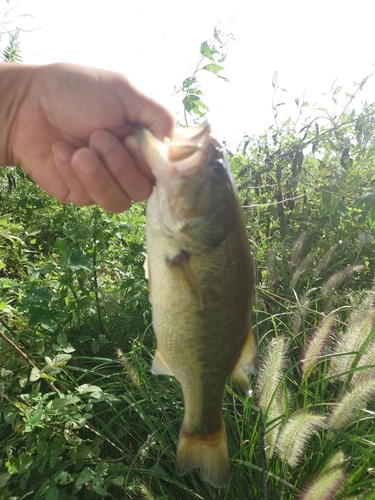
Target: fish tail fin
pixel 209 453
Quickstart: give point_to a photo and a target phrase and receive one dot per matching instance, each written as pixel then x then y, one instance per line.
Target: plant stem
pixel 25 356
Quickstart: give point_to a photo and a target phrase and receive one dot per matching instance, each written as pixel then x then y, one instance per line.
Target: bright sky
pixel 156 44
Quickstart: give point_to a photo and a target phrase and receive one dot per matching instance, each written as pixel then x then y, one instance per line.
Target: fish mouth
pixel 182 155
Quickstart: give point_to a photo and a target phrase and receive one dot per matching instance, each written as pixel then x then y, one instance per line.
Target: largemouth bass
pixel 201 283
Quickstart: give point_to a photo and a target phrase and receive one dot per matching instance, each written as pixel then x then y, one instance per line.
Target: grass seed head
pixel 350 402
pixel 294 436
pixel 338 278
pixel 368 359
pixel 323 262
pixel 325 487
pixel 350 342
pixel 271 371
pixel 317 343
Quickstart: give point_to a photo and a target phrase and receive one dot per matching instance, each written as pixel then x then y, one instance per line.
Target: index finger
pixel 147 112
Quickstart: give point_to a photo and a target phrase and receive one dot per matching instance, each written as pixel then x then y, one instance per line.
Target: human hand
pixel 72 133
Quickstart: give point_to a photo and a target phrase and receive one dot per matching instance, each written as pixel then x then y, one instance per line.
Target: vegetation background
pixel 81 416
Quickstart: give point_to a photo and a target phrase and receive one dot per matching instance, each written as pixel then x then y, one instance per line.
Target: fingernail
pixel 85 160
pixel 102 141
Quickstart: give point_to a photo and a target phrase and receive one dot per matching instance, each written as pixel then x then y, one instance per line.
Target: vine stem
pixel 95 274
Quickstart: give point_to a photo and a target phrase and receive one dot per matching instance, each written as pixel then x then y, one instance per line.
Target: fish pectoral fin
pixel 146 267
pixel 246 363
pixel 208 453
pixel 159 365
pixel 181 262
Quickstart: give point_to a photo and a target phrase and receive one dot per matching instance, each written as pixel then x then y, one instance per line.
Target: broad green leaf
pixel 78 260
pixel 4 219
pixel 188 82
pixel 61 359
pixel 98 486
pixel 61 338
pixel 68 349
pixel 35 374
pixel 366 199
pixel 372 217
pixel 118 481
pixel 48 360
pixel 340 207
pixel 213 68
pixel 52 493
pixel 326 198
pixel 6 373
pixel 85 476
pixel 4 478
pixel 88 388
pixel 207 51
pixel 23 479
pixel 335 219
pixel 62 477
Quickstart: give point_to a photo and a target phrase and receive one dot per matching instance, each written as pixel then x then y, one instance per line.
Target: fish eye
pixel 217 166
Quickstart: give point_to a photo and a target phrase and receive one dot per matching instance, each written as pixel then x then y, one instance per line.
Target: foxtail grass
pixel 317 344
pixel 270 393
pixel 325 487
pixel 353 400
pixel 367 363
pixel 300 269
pixel 353 341
pixel 295 435
pixel 337 460
pixel 271 371
pixel 323 261
pixel 338 278
pixel 300 314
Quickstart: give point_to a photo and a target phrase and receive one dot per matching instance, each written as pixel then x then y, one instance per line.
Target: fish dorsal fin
pixel 159 366
pixel 246 363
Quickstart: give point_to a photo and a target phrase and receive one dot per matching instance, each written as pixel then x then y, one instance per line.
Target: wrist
pixel 15 80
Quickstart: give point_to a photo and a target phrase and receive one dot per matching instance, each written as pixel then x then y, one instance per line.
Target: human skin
pixel 71 130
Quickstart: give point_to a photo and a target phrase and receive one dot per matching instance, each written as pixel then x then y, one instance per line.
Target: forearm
pixel 15 80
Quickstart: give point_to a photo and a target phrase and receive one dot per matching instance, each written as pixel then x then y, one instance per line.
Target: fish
pixel 201 279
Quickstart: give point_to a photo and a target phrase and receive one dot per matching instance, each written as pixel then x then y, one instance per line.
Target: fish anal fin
pixel 181 262
pixel 209 453
pixel 159 365
pixel 246 363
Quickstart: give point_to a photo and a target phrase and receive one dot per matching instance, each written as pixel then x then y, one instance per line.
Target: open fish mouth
pixel 182 155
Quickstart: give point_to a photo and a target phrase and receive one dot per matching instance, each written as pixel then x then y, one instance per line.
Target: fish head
pixel 194 192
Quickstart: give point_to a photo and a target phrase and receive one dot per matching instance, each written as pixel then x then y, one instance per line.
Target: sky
pixel 311 44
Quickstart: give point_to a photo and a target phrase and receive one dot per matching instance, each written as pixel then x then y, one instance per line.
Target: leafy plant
pixel 212 55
